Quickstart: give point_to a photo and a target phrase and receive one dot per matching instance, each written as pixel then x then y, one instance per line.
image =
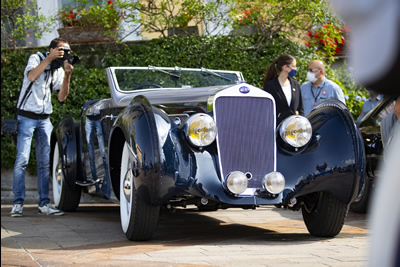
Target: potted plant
pixel 95 23
pixel 245 21
pixel 328 39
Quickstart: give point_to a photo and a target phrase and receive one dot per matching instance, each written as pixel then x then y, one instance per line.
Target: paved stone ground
pixel 92 236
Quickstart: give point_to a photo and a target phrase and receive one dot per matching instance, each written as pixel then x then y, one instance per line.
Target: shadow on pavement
pixel 98 226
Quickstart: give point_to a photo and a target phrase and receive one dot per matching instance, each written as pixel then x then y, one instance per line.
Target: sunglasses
pixel 312 70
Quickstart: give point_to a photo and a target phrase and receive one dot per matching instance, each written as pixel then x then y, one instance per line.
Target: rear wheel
pixel 323 214
pixel 138 219
pixel 65 198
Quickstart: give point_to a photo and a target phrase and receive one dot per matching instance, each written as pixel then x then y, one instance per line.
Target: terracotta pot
pixel 81 35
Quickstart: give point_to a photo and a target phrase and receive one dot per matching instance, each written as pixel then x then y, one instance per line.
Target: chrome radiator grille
pixel 245 140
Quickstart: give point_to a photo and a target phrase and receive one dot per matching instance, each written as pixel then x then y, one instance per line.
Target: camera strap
pixel 23 100
pixel 51 70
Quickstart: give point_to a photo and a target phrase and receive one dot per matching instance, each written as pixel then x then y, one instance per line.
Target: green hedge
pixel 212 52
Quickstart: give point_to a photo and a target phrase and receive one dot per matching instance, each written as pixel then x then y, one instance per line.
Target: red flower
pixel 109 2
pixel 310 34
pixel 316 35
pixel 324 26
pixel 346 29
pixel 307 44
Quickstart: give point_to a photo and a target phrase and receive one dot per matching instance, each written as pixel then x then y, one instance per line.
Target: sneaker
pixel 50 210
pixel 17 210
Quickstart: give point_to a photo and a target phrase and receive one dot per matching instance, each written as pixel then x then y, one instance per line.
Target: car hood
pixel 175 95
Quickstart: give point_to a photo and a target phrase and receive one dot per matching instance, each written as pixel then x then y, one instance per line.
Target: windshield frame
pixel 169 71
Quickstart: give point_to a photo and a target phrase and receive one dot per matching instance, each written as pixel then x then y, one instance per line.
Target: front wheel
pixel 138 219
pixel 323 214
pixel 65 198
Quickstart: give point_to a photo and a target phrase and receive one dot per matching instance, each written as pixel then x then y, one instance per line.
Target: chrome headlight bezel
pixel 236 182
pixel 205 127
pixel 296 131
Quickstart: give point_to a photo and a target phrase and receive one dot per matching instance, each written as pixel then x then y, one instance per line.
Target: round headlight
pixel 296 130
pixel 236 182
pixel 274 182
pixel 201 130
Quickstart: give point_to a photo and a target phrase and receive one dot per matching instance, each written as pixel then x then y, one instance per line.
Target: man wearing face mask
pixel 43 75
pixel 318 88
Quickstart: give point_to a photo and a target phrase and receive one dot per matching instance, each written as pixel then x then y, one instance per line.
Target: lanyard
pixel 316 96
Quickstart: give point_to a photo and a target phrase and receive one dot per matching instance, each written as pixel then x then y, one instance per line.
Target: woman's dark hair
pixel 276 66
pixel 54 42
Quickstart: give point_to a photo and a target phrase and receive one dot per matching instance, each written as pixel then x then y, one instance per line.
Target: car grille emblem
pixel 244 89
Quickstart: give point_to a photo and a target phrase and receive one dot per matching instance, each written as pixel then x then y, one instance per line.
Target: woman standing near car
pixel 286 91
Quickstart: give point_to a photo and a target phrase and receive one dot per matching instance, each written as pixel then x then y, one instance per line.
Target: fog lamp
pixel 236 182
pixel 274 182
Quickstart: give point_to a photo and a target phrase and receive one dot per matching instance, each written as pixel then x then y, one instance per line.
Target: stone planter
pixel 80 35
pixel 245 30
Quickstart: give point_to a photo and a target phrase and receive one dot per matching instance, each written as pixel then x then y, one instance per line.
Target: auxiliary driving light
pixel 296 130
pixel 200 129
pixel 274 182
pixel 236 182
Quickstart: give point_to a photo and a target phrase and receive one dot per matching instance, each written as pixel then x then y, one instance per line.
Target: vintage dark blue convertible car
pixel 175 136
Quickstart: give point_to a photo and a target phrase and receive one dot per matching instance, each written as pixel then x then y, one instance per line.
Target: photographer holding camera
pixel 43 75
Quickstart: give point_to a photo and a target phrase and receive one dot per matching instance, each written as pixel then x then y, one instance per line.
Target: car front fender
pixel 136 126
pixel 333 161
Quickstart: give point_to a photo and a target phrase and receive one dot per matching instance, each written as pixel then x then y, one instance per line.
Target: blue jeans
pixel 42 130
pixel 90 127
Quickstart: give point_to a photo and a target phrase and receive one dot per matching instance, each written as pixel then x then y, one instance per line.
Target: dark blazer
pixel 283 110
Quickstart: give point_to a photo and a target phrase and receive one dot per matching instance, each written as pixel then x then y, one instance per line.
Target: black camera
pixel 72 59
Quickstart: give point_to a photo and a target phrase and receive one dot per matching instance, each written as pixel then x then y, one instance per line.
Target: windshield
pixel 131 79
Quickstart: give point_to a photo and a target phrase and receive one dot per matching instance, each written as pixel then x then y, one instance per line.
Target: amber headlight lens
pixel 201 130
pixel 296 131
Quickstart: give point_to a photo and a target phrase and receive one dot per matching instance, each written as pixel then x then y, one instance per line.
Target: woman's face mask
pixel 292 72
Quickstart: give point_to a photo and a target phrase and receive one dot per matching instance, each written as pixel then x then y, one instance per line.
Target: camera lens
pixel 72 59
